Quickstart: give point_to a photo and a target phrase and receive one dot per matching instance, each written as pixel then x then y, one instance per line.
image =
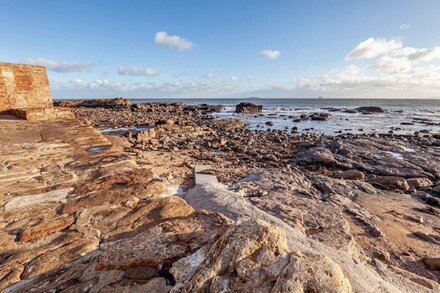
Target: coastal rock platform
pixel 86 212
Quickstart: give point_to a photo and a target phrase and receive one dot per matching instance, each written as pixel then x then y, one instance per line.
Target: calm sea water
pixel 282 112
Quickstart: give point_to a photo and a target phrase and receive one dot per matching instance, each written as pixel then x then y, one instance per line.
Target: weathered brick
pixel 23 86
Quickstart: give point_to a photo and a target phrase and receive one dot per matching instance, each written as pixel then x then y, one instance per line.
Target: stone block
pixel 36 114
pixel 203 179
pixel 23 86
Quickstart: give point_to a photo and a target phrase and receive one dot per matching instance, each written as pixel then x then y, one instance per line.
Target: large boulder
pixel 253 256
pixel 320 116
pixel 248 108
pixel 419 183
pixel 307 272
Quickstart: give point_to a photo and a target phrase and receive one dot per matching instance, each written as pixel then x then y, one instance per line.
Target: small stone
pixel 352 175
pixel 132 202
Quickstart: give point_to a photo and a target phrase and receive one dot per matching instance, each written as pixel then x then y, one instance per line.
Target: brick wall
pixel 23 86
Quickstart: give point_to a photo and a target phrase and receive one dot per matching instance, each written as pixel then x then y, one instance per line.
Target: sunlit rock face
pixel 23 86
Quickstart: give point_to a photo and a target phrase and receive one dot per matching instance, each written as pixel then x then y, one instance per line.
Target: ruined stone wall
pixel 23 86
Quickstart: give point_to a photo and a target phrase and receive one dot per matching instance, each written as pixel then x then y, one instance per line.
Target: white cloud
pixel 389 71
pixel 388 79
pixel 200 87
pixel 372 48
pixel 392 48
pixel 405 26
pixel 271 54
pixel 137 71
pixel 359 82
pixel 392 64
pixel 59 66
pixel 424 54
pixel 175 42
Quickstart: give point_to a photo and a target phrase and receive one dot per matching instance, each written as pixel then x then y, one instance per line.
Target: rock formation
pixel 83 211
pixel 25 92
pixel 248 108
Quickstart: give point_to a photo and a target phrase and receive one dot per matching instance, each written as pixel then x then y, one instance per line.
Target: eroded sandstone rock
pixel 433 263
pixel 116 189
pixel 163 243
pixel 390 182
pixel 45 228
pixel 307 272
pixel 419 183
pixel 249 256
pixel 252 256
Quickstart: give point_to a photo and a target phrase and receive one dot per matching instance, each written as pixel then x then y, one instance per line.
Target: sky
pixel 228 48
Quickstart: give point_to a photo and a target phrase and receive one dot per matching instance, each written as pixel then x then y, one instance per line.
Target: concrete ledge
pixel 36 114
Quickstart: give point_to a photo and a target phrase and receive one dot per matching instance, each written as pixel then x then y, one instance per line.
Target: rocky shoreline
pixel 194 132
pixel 120 210
pixel 344 165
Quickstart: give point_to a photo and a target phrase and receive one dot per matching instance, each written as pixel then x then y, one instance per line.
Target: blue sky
pixel 342 49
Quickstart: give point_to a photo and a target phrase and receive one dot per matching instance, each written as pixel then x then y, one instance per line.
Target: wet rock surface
pixel 370 109
pixel 87 212
pixel 248 108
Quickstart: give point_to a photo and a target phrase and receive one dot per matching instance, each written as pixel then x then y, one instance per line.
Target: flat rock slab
pixel 163 243
pixel 45 165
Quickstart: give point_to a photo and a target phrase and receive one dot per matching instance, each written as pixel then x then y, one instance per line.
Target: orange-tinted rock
pixel 433 263
pixel 116 189
pixel 46 228
pixel 154 210
pixel 23 86
pixel 13 261
pixel 12 275
pixel 36 114
pixel 57 258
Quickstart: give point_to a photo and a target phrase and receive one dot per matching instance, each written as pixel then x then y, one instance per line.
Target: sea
pixel 401 116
